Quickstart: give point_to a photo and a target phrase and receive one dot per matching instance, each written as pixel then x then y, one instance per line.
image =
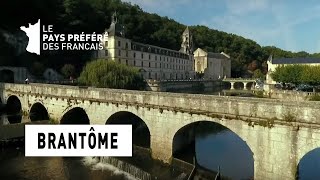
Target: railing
pixel 239 79
pixel 192 174
pixel 178 80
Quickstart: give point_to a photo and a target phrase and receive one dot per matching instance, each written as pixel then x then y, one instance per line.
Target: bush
pixel 109 74
pixel 315 97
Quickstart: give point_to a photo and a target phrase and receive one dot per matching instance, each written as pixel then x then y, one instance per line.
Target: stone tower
pixel 115 29
pixel 187 42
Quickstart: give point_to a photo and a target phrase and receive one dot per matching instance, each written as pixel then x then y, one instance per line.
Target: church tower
pixel 115 29
pixel 187 42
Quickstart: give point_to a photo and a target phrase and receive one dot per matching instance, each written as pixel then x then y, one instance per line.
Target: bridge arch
pixel 76 115
pixel 14 109
pixel 140 130
pixel 6 76
pixel 38 112
pixel 309 165
pixel 190 142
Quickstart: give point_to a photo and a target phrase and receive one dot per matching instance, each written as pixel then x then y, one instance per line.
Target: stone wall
pixel 185 85
pixel 278 132
pixel 290 95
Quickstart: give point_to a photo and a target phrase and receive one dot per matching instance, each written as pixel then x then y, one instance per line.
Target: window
pixel 160 58
pixel 142 64
pixel 126 53
pixel 134 62
pixel 119 43
pixel 126 45
pixel 106 44
pixel 149 56
pixel 149 64
pixel 155 65
pixel 119 52
pixel 156 58
pixel 126 62
pixel 134 55
pixel 106 52
pixel 141 55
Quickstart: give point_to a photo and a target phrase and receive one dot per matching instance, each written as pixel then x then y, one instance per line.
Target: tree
pixel 68 70
pixel 258 74
pixel 297 74
pixel 288 73
pixel 110 74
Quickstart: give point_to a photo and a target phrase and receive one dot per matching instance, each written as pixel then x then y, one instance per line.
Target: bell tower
pixel 187 42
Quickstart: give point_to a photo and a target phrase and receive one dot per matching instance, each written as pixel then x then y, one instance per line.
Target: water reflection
pixel 309 166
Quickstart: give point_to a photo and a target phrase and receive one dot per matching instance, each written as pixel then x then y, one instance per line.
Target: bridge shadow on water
pixel 212 145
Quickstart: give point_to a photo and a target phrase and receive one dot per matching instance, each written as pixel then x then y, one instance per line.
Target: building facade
pixel 155 62
pixel 274 63
pixel 212 65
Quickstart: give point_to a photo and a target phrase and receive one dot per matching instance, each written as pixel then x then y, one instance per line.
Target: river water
pixel 213 149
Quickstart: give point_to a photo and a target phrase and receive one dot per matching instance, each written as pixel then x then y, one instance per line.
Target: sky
pixel 292 25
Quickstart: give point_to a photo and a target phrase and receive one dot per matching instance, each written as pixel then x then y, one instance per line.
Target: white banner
pixel 78 140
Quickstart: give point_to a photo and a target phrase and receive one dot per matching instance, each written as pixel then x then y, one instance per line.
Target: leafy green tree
pixel 68 70
pixel 311 75
pixel 297 74
pixel 258 74
pixel 110 74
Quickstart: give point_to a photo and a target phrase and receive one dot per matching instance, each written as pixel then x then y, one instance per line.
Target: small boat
pixel 218 176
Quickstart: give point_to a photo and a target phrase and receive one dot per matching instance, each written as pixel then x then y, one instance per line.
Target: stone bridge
pixel 245 82
pixel 278 133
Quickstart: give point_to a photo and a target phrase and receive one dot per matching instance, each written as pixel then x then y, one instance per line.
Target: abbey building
pixel 154 62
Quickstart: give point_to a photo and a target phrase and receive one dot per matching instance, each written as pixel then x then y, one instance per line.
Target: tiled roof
pixel 216 55
pixel 296 61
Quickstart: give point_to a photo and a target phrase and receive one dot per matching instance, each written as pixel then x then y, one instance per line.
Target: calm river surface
pixel 213 148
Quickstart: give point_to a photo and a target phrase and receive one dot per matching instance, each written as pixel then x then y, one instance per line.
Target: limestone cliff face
pixel 18 40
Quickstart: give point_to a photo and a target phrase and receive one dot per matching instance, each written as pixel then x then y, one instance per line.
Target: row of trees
pixel 74 16
pixel 297 74
pixel 110 74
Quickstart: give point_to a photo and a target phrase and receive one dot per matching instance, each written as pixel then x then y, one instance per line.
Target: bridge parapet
pixel 245 108
pixel 238 80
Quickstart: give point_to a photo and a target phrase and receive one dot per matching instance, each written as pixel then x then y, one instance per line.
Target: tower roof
pixel 186 30
pixel 115 28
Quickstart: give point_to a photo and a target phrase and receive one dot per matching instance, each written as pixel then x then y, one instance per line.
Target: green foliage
pixel 110 74
pixel 259 94
pixel 297 74
pixel 315 97
pixel 68 70
pixel 88 16
pixel 288 73
pixel 258 74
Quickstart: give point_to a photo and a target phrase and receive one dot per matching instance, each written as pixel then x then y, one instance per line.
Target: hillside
pixel 95 15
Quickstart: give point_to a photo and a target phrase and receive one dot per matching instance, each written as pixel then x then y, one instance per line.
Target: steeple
pixel 114 18
pixel 187 42
pixel 115 28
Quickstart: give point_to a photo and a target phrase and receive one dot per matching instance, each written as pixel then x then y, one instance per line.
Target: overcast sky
pixel 289 24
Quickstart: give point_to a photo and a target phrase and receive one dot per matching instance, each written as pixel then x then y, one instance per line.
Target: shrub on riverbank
pixel 109 74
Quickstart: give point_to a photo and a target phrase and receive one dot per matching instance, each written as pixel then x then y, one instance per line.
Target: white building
pixel 154 62
pixel 213 65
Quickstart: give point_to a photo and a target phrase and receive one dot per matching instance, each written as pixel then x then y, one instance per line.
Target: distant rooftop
pixel 217 55
pixel 296 60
